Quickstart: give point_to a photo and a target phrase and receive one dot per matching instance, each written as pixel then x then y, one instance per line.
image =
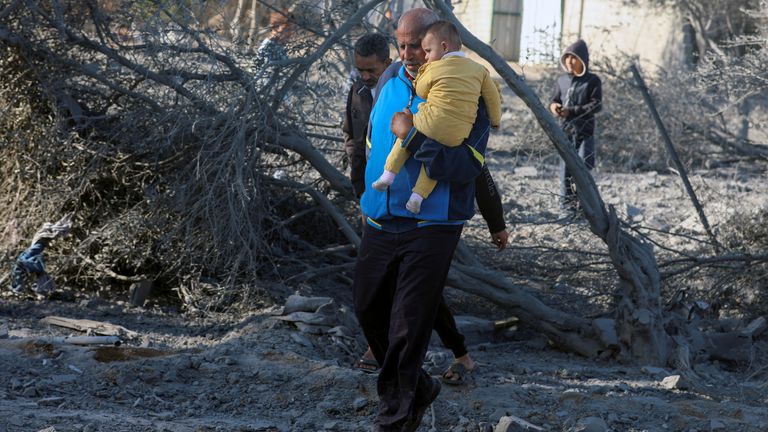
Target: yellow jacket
pixel 452 87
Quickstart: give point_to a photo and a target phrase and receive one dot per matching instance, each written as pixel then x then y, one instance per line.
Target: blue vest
pixel 452 200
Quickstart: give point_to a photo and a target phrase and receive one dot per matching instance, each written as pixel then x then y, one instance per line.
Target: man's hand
pixel 500 239
pixel 564 112
pixel 402 123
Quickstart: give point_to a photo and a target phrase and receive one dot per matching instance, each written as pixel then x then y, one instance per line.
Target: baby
pixel 452 85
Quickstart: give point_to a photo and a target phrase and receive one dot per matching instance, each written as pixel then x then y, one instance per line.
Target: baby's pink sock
pixel 387 177
pixel 414 203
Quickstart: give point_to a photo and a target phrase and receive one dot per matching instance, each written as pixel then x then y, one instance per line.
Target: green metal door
pixel 506 27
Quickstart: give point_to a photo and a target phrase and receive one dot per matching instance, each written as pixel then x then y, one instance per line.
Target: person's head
pixel 280 25
pixel 573 64
pixel 575 58
pixel 371 58
pixel 410 29
pixel 440 38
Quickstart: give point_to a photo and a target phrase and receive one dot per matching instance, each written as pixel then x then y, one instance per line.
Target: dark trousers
pixel 446 329
pixel 399 280
pixel 585 147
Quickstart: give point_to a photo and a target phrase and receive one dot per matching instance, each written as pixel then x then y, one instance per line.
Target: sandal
pixel 455 375
pixel 367 365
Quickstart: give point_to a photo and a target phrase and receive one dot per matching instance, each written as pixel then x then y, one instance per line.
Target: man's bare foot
pixel 467 361
pixel 457 372
pixel 367 363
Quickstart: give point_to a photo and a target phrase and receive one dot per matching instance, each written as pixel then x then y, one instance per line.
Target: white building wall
pixel 612 29
pixel 476 16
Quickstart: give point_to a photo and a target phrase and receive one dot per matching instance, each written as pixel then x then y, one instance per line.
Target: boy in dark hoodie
pixel 577 96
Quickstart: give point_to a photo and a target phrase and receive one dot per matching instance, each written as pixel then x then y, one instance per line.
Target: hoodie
pixel 581 94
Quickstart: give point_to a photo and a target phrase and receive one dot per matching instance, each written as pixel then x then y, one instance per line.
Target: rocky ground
pixel 278 369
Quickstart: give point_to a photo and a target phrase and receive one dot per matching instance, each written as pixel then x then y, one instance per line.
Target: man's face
pixel 434 49
pixel 573 64
pixel 371 68
pixel 411 53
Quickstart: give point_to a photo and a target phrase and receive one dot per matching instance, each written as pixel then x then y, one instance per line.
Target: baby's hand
pixel 402 123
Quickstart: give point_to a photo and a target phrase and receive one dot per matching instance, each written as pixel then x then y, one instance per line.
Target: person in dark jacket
pixel 576 98
pixel 371 59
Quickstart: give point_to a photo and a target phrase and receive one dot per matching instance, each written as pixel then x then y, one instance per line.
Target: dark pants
pixel 399 280
pixel 585 147
pixel 446 329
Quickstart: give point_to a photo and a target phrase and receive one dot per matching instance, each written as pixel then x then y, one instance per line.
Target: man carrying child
pixel 452 85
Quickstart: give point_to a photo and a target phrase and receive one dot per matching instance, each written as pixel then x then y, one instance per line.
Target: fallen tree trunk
pixel 567 331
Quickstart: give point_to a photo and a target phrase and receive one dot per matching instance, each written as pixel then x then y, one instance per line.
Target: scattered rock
pixel 311 329
pixel 634 213
pixel 484 427
pixel 310 318
pixel 297 303
pixel 574 395
pixel 359 403
pixel 301 340
pixel 515 424
pixel 590 424
pixel 675 382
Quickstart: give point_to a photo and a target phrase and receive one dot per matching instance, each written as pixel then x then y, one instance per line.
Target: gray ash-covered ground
pixel 256 372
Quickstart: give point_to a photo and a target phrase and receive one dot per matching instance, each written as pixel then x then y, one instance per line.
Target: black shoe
pixel 420 406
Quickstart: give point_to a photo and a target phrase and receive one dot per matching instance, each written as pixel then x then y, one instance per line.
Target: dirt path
pixel 257 373
pixel 261 374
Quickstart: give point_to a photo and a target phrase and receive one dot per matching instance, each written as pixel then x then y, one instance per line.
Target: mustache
pixel 411 63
